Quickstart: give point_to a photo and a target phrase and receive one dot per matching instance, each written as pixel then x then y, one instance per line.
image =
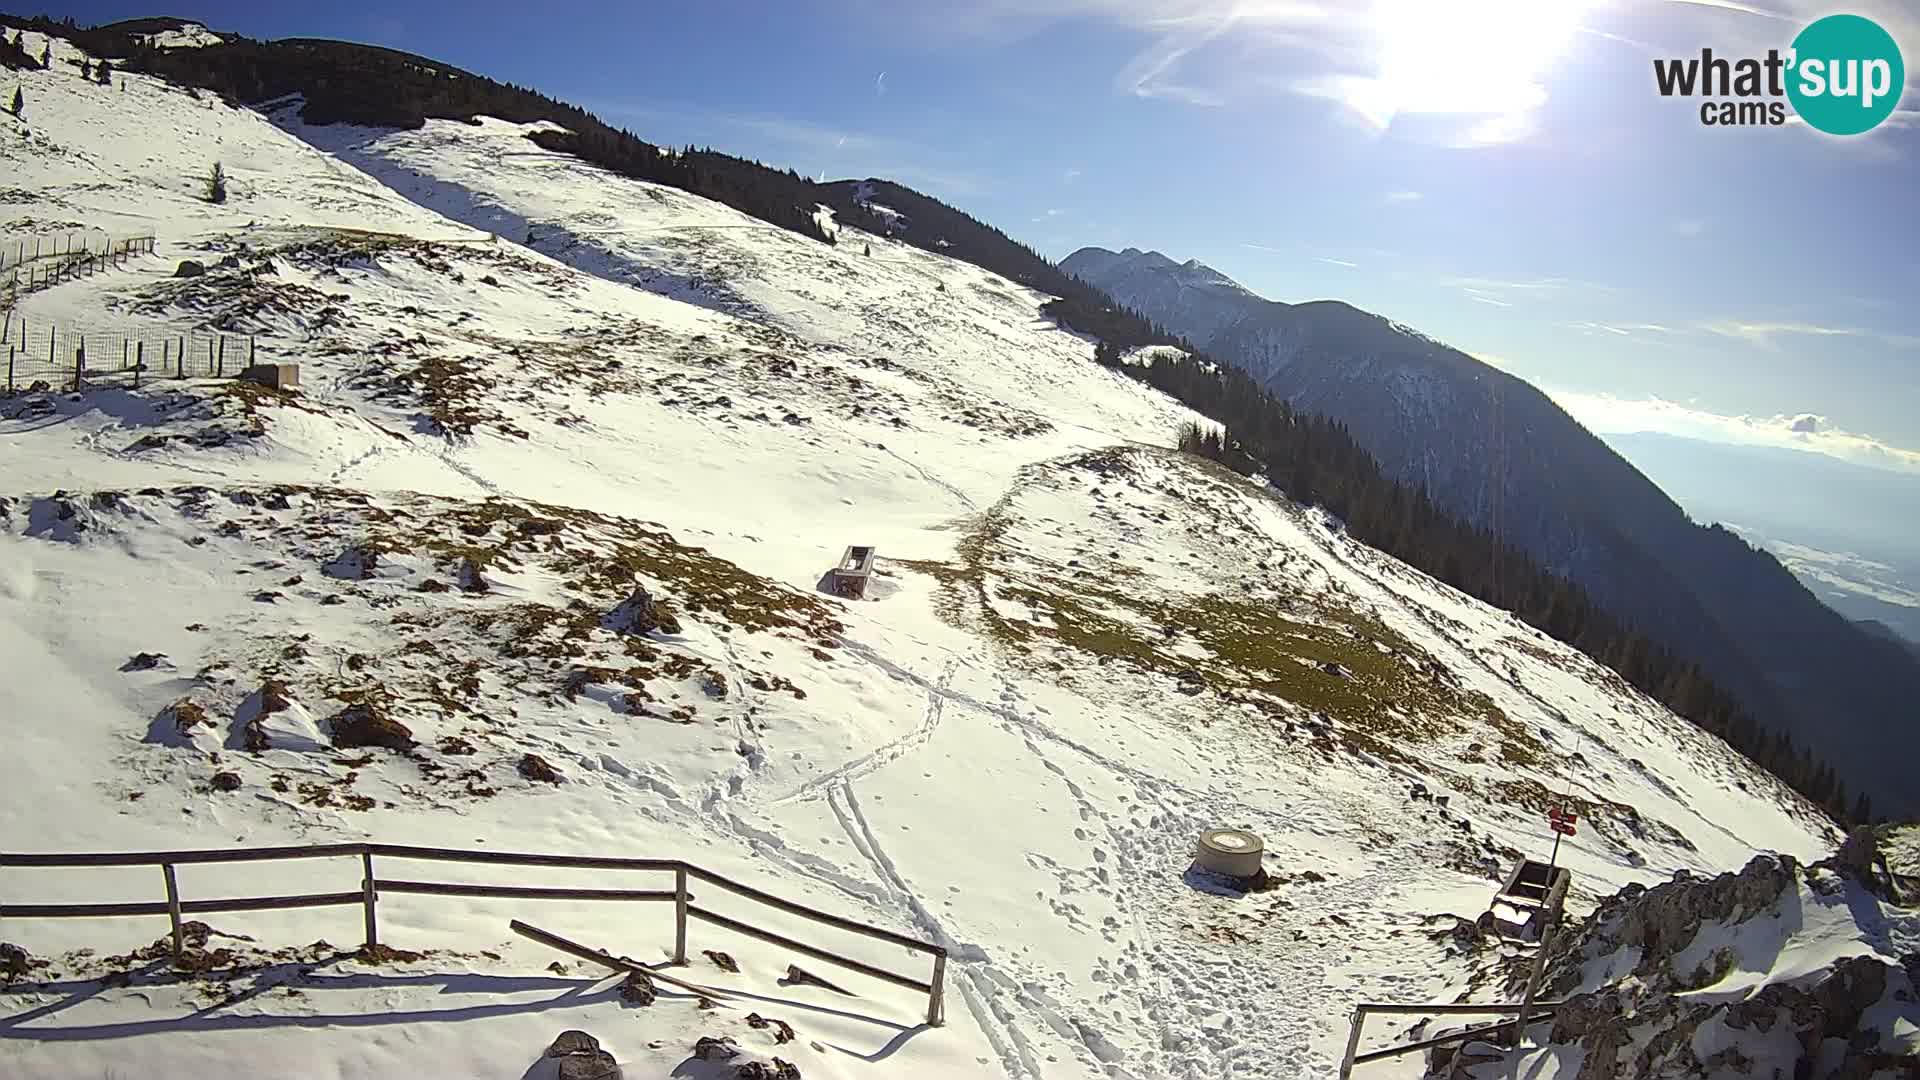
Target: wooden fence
pixel 367 896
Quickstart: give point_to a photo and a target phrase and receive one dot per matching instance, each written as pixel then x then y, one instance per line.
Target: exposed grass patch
pixel 1378 687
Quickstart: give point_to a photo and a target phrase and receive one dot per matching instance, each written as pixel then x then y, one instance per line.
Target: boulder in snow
pixel 356 563
pixel 641 614
pixel 578 1057
pixel 369 725
pixel 189 268
pixel 470 577
pixel 269 719
pixel 572 1041
pixel 539 770
pixel 637 989
pixel 767 1070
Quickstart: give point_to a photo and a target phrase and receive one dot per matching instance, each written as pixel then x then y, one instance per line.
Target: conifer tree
pixel 18 102
pixel 217 184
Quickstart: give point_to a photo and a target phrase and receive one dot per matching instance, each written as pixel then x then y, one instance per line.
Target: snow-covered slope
pixel 1081 648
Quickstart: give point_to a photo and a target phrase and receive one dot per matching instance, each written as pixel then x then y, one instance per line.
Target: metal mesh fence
pixel 62 262
pixel 69 357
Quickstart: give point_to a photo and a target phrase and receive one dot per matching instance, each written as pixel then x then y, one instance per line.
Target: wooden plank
pixel 187 907
pixel 518 892
pixel 515 858
pixel 178 858
pixel 80 911
pixel 680 898
pixel 1441 1040
pixel 368 897
pixel 270 903
pixel 804 949
pixel 937 999
pixel 606 959
pixel 817 916
pixel 173 909
pixel 1435 1009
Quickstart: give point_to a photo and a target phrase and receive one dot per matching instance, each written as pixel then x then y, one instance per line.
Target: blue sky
pixel 1500 174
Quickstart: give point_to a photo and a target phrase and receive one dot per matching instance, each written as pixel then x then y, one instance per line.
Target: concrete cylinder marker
pixel 1230 852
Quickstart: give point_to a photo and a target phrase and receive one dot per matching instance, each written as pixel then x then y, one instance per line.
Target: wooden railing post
pixel 680 914
pixel 937 997
pixel 1353 1041
pixel 368 898
pixel 173 910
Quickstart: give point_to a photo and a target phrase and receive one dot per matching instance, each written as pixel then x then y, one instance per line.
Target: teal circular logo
pixel 1845 75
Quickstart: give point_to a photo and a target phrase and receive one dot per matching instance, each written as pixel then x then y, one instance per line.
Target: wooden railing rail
pixel 1538 1010
pixel 371 886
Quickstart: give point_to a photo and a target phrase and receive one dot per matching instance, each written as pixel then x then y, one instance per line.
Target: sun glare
pixel 1466 56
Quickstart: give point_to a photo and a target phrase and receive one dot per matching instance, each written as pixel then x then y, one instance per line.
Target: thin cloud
pixel 1690 228
pixel 1263 247
pixel 880 84
pixel 1730 5
pixel 1809 431
pixel 1404 196
pixel 1620 329
pixel 1767 334
pixel 1070 176
pixel 1488 300
pixel 1337 262
pixel 1150 76
pixel 1500 285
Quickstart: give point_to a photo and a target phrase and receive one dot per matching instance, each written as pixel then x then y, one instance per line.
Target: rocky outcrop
pixel 539 769
pixel 640 613
pixel 367 724
pixel 1640 979
pixel 355 563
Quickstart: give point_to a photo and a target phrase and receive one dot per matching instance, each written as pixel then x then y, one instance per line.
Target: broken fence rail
pixel 1534 1013
pixel 368 894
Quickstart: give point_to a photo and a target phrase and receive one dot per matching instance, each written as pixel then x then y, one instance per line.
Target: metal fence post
pixel 368 897
pixel 937 997
pixel 80 365
pixel 220 362
pixel 680 915
pixel 173 910
pixel 9 369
